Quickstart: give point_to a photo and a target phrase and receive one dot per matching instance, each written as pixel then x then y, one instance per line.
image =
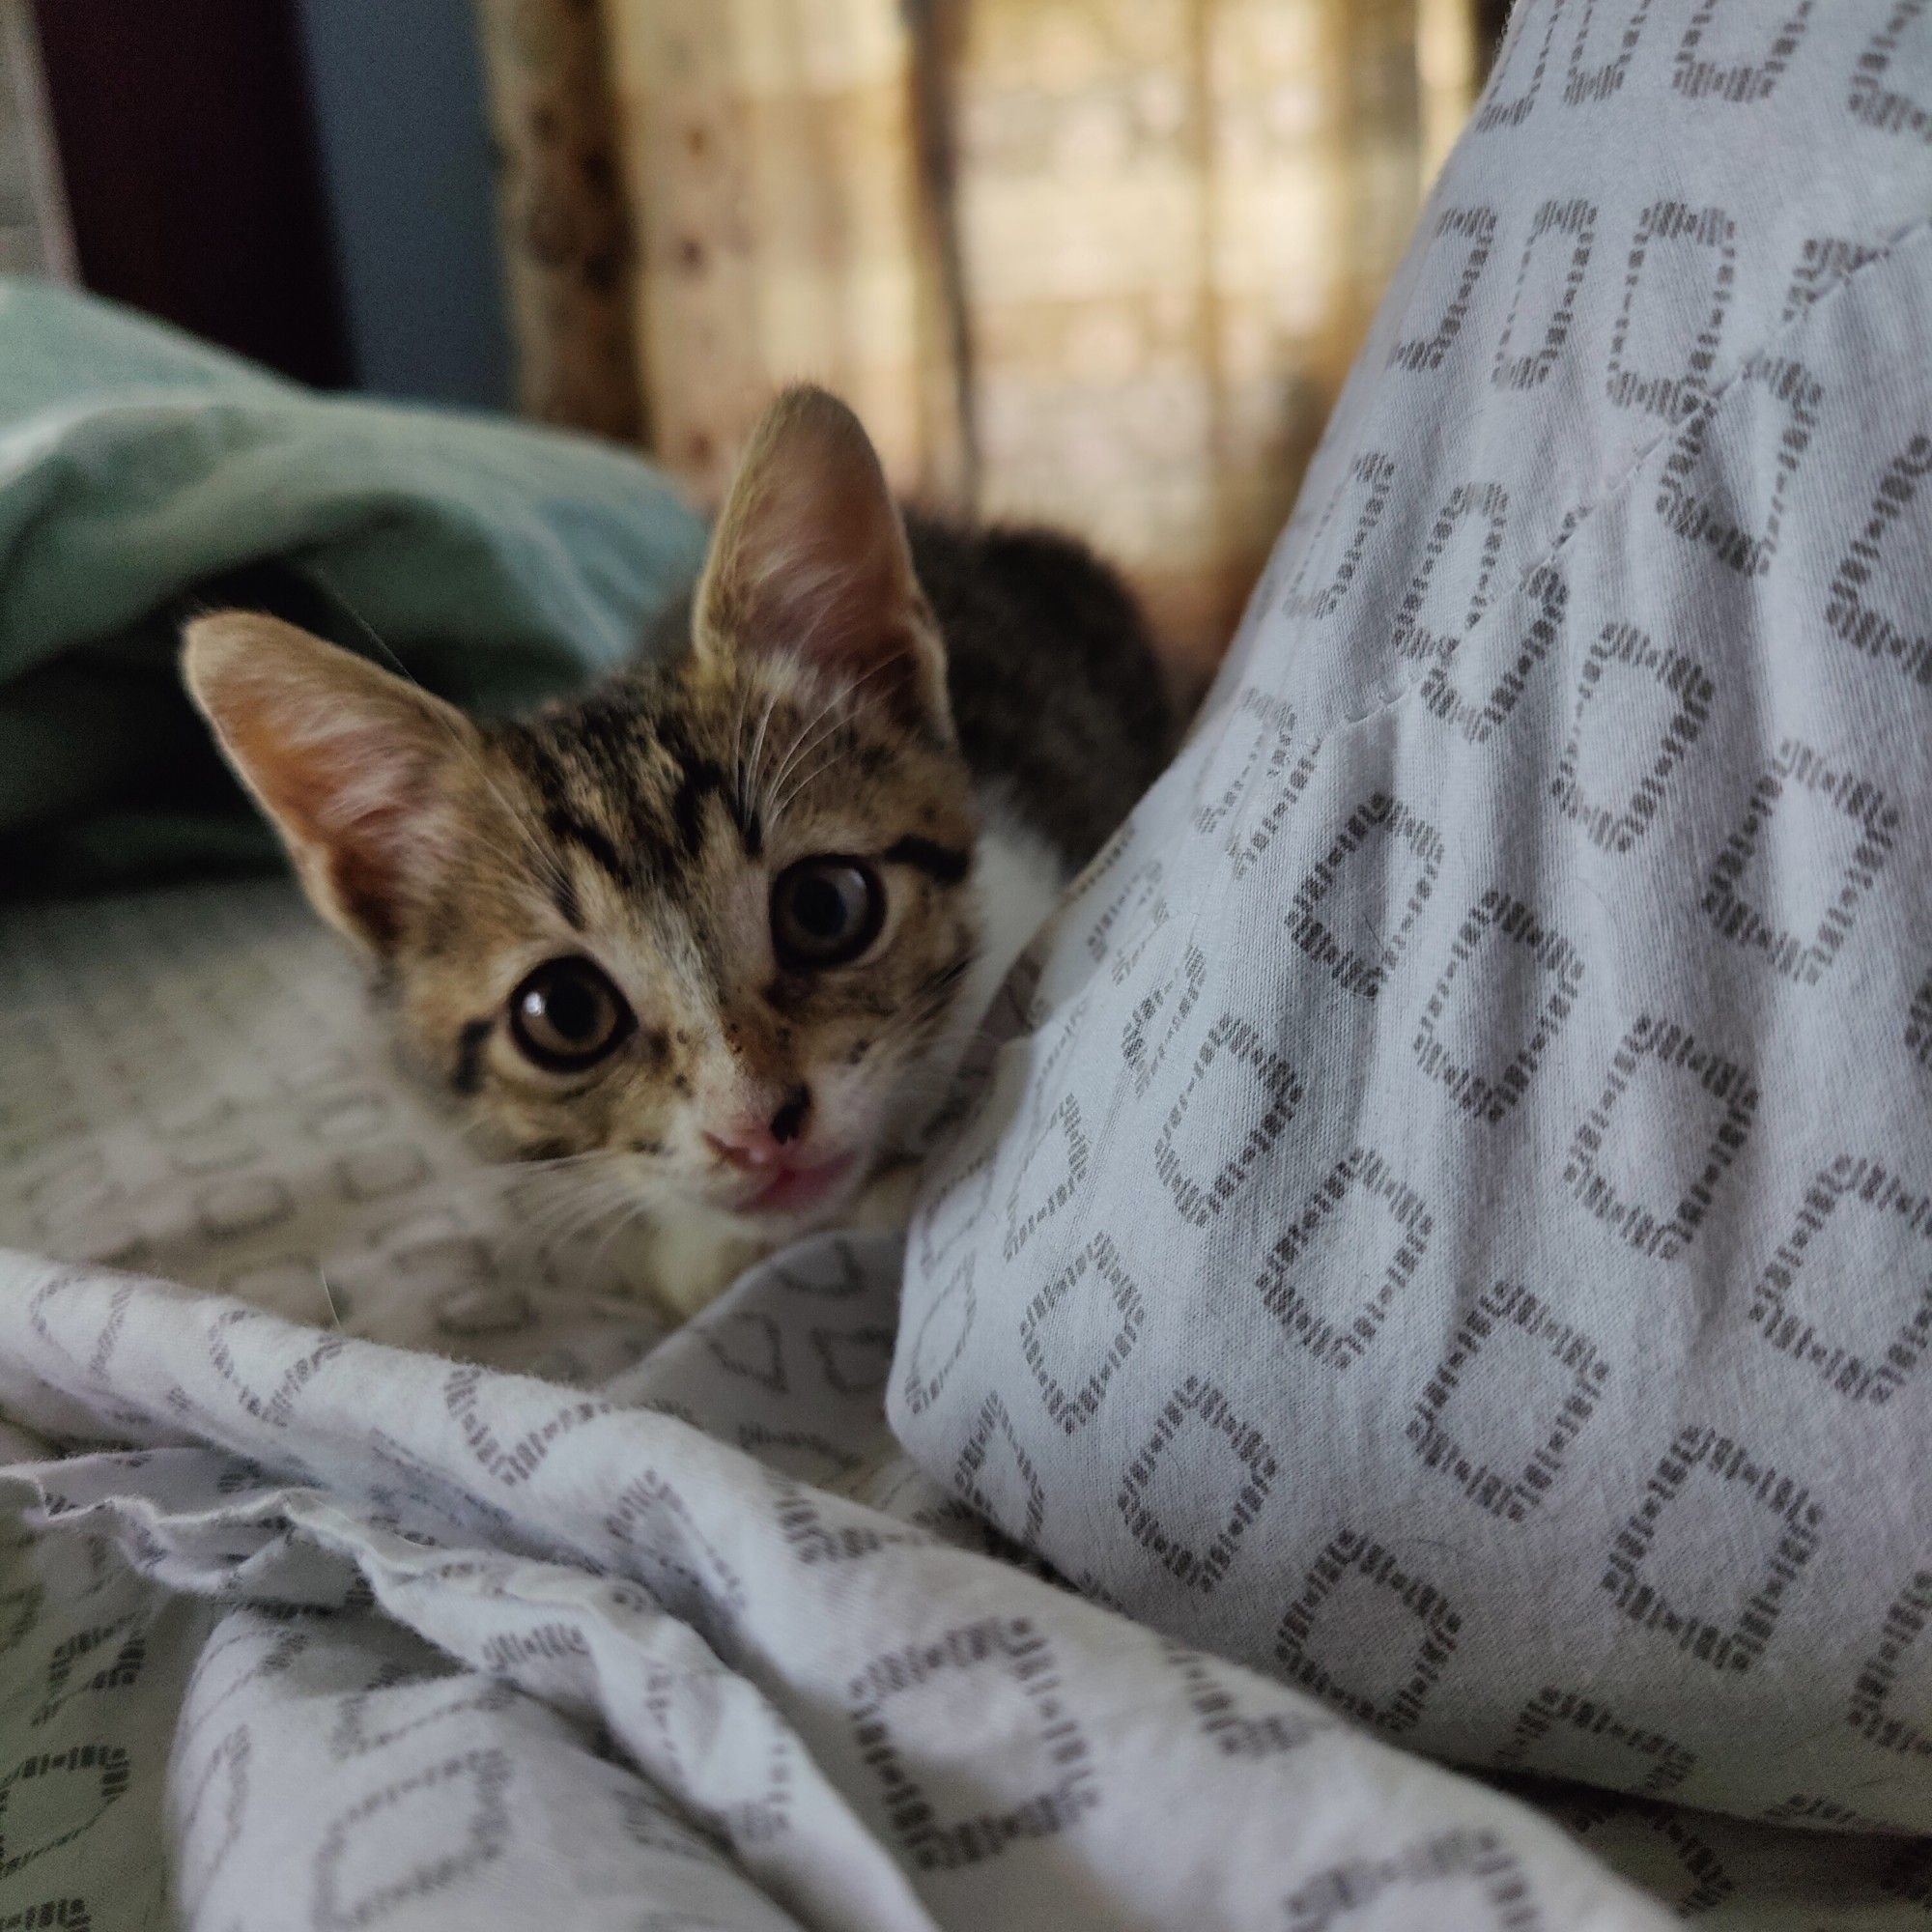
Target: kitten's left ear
pixel 809 560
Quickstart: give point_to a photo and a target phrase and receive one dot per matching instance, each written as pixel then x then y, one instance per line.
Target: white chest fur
pixel 1019 877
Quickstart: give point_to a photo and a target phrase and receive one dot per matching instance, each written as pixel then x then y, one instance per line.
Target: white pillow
pixel 1451 1220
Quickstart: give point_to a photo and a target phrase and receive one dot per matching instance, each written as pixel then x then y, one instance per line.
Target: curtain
pixel 34 235
pixel 1101 261
pixel 770 156
pixel 562 216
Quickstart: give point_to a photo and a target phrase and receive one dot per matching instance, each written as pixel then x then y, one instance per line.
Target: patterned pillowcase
pixel 1449 1222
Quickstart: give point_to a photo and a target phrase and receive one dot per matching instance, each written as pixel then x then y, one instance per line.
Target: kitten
pixel 726 920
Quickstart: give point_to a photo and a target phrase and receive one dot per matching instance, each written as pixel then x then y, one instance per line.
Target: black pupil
pixel 821 905
pixel 572 1006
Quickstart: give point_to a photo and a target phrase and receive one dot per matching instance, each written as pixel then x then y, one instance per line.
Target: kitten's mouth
pixel 793 1190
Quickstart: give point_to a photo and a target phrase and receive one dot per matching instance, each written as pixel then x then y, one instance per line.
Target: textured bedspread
pixel 418 1644
pixel 297 1629
pixel 301 1630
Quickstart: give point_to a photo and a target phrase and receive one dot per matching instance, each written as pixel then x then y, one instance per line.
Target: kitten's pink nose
pixel 752 1141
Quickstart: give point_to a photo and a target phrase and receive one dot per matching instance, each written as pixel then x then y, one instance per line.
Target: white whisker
pixel 780 807
pixel 638 1210
pixel 755 765
pixel 836 711
pixel 741 773
pixel 583 1216
pixel 519 815
pixel 328 1296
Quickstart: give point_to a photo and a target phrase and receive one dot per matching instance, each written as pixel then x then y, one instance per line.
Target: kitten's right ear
pixel 353 767
pixel 810 561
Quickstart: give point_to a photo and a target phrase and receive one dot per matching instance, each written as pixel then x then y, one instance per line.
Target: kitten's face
pixel 717 926
pixel 712 923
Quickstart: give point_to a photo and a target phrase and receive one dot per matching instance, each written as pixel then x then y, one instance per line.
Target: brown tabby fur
pixel 818 703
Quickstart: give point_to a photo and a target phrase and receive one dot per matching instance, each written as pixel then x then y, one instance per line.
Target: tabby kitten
pixel 725 921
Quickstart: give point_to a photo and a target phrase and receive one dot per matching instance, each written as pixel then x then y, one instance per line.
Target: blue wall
pixel 398 92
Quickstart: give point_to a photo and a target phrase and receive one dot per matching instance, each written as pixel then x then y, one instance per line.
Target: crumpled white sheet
pixel 358 1636
pixel 374 1637
pixel 297 1629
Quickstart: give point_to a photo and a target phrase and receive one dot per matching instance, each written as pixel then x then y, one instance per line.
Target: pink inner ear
pixel 845 606
pixel 810 558
pixel 353 792
pixel 842 597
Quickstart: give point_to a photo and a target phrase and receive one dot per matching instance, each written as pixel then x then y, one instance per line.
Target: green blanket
pixel 144 475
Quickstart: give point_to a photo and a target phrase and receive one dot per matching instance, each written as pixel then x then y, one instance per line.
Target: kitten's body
pixel 858 730
pixel 1055 694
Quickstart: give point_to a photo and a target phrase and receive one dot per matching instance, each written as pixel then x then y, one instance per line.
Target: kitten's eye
pixel 567 1016
pixel 825 912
